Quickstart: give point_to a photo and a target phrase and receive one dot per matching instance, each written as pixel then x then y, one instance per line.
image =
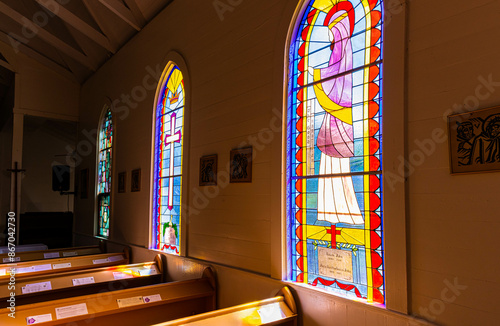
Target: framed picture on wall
pixel 208 170
pixel 474 141
pixel 84 183
pixel 122 177
pixel 135 182
pixel 241 165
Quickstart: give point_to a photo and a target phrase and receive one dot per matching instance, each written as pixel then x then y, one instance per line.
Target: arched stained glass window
pixel 334 138
pixel 105 152
pixel 169 137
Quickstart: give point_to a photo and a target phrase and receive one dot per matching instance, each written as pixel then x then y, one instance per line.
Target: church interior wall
pixel 235 72
pixel 43 92
pixel 451 73
pixel 38 93
pixel 46 143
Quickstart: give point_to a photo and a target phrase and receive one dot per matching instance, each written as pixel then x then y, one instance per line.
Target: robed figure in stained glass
pixel 334 207
pixel 336 198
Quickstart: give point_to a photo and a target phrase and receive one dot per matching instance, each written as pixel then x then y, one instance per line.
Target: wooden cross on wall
pixel 15 170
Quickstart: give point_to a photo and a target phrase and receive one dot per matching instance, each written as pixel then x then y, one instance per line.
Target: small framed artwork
pixel 208 170
pixel 474 141
pixel 122 176
pixel 135 180
pixel 84 183
pixel 241 165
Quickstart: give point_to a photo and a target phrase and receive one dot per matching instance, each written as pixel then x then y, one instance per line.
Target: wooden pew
pixel 45 267
pixel 25 247
pixel 135 307
pixel 76 283
pixel 52 253
pixel 280 310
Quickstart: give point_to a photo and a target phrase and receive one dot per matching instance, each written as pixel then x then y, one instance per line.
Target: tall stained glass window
pixel 104 173
pixel 334 138
pixel 169 136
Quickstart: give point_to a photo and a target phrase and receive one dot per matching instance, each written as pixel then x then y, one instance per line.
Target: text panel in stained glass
pixel 334 137
pixel 104 173
pixel 169 136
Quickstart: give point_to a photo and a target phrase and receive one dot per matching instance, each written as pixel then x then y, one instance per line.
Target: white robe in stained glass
pixel 337 201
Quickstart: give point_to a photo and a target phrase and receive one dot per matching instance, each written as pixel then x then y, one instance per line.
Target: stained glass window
pixel 169 136
pixel 104 173
pixel 334 138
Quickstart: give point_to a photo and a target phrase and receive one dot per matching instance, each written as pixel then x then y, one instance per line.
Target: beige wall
pixel 45 144
pixel 453 218
pixel 234 70
pixel 39 92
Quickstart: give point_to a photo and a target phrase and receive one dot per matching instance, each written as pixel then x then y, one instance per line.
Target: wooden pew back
pixel 23 248
pixel 76 283
pixel 50 254
pixel 280 310
pixel 138 307
pixel 45 267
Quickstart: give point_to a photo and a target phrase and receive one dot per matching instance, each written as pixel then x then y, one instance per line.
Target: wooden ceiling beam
pixel 73 20
pixel 41 59
pixel 121 11
pixel 136 11
pixel 46 36
pixel 7 65
pixel 103 25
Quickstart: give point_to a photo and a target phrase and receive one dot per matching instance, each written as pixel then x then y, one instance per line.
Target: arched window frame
pixel 394 153
pixel 106 128
pixel 157 231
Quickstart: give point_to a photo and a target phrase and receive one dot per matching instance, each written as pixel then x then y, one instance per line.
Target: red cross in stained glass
pixel 334 232
pixel 174 137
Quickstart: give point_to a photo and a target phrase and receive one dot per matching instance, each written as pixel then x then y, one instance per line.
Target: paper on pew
pixel 127 302
pixel 152 298
pixel 36 287
pixel 36 268
pixel 115 258
pixel 271 313
pixel 63 265
pixel 70 253
pixel 83 281
pixel 71 311
pixel 121 275
pixel 100 261
pixel 31 320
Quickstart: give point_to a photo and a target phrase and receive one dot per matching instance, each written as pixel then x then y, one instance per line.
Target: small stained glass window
pixel 168 153
pixel 104 173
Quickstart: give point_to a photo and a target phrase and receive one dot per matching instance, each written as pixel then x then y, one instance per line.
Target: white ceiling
pixel 73 37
